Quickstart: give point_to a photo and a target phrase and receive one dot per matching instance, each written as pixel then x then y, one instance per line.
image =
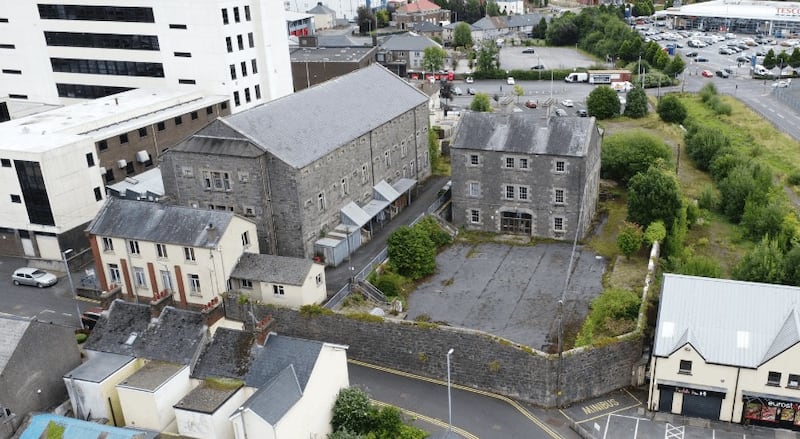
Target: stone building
pixel 522 174
pixel 340 154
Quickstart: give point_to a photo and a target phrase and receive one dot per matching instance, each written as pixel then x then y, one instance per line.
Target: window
pixel 133 247
pixel 161 250
pixel 473 159
pixel 102 145
pixel 247 95
pixel 16 199
pixel 474 189
pixel 113 273
pixel 233 71
pixel 98 194
pixel 774 379
pixel 143 132
pixel 236 100
pixel 244 68
pixel 685 367
pixel 188 254
pixel 123 138
pixel 246 239
pixel 523 163
pixel 224 16
pixel 90 159
pixel 187 81
pixel 6 163
pixel 84 91
pixel 257 87
pixel 110 175
pixel 216 180
pixel 321 201
pixel 223 105
pixel 178 120
pixel 387 158
pixel 559 196
pixel 209 110
pixel 193 115
pixel 194 284
pixel 161 126
pixel 247 12
pixel 177 26
pixel 560 166
pixel 236 17
pixel 794 381
pixel 129 168
pixel 558 224
pixel 319 279
pixel 510 192
pixel 509 162
pixel 475 216
pixel 108 244
pixel 96 13
pixel 403 149
pixel 240 42
pixel 102 40
pixel 344 187
pixel 139 277
pixel 229 44
pixel 246 284
pixel 107 67
pixel 12 71
pixel 250 40
pixel 182 54
pixel 523 193
pixel 277 290
pixel 166 280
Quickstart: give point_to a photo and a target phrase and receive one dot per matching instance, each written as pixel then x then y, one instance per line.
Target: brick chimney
pixel 262 329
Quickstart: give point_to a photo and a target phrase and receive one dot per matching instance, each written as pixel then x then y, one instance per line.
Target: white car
pixel 33 277
pixel 780 84
pixel 567 103
pixel 469 80
pixel 510 81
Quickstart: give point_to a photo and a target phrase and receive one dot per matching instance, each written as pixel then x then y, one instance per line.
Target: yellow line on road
pixel 505 399
pixel 428 419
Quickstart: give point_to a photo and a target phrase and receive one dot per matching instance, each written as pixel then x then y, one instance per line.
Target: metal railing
pixel 372 292
pixel 337 298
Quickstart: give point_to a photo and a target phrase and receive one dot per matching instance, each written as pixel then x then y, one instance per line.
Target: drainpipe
pixel 653 383
pixel 735 391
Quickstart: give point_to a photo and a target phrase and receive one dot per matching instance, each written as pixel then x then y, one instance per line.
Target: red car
pixel 707 74
pixel 530 104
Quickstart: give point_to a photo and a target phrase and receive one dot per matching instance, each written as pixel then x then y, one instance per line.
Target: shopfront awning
pixel 768 397
pixel 384 191
pixel 679 384
pixel 404 184
pixel 352 215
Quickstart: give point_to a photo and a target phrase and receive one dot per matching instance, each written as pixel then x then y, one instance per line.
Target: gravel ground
pixel 512 58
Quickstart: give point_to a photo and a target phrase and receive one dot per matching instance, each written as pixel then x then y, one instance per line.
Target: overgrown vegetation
pixel 54 430
pixel 355 417
pixel 612 313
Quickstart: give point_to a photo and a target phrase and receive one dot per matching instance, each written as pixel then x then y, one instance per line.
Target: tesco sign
pixel 787 11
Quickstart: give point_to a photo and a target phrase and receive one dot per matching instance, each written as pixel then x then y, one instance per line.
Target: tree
pixel 643 8
pixel 434 230
pixel 656 232
pixel 486 56
pixel 540 30
pixel 782 60
pixel 699 266
pixel 770 60
pixel 661 60
pixel 626 154
pixel 794 58
pixel 433 58
pixel 492 9
pixel 351 411
pixel 562 30
pixel 462 35
pixel 636 106
pixel 366 20
pixel 629 238
pixel 603 103
pixel 382 17
pixel 671 109
pixel 745 180
pixel 411 252
pixel 764 263
pixel 675 67
pixel 519 91
pixel 703 143
pixel 791 267
pixel 344 434
pixel 763 217
pixel 652 196
pixel 481 103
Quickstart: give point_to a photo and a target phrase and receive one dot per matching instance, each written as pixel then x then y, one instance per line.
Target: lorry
pixel 608 76
pixel 577 77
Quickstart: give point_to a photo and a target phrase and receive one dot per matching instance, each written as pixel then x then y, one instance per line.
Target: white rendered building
pixel 55 52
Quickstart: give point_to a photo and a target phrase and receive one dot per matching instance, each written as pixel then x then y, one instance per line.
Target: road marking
pixel 613 412
pixel 674 431
pixel 780 115
pixel 505 399
pixel 631 395
pixel 66 314
pixel 86 299
pixel 428 419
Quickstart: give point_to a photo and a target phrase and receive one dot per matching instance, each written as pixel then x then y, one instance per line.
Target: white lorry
pixel 577 77
pixel 622 87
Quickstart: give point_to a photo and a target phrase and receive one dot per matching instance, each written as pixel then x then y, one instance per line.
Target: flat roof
pixel 152 376
pixel 330 54
pixel 209 396
pixel 99 118
pixel 99 367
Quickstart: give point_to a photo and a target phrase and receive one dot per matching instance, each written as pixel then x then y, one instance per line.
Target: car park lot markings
pixel 674 431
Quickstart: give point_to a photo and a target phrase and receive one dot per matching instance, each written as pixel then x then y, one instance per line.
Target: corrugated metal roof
pixel 384 191
pixel 525 133
pixel 354 215
pixel 156 222
pixel 304 126
pixel 728 322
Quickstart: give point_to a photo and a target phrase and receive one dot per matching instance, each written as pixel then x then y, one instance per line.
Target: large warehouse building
pixel 780 19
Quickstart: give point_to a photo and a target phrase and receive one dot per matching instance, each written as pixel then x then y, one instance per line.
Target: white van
pixel 760 70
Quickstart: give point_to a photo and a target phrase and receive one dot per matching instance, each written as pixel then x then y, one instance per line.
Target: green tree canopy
pixel 486 56
pixel 382 17
pixel 492 9
pixel 794 58
pixel 745 180
pixel 366 20
pixel 671 109
pixel 656 232
pixel 764 263
pixel 770 60
pixel 653 195
pixel 433 58
pixel 636 105
pixel 562 30
pixel 629 238
pixel 603 103
pixel 703 143
pixel 351 411
pixel 462 35
pixel 481 103
pixel 628 153
pixel 675 67
pixel 540 30
pixel 411 252
pixel 698 266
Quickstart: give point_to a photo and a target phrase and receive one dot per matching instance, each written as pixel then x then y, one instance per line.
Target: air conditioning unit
pixel 122 163
pixel 142 156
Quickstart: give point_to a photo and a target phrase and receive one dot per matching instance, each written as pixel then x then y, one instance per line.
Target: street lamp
pixel 449 400
pixel 71 285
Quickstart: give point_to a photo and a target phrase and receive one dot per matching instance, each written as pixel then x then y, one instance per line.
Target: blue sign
pixel 753 61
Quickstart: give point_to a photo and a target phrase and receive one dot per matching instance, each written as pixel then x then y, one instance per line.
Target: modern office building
pixel 52 52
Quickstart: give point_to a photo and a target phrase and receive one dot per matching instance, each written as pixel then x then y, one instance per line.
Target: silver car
pixel 33 277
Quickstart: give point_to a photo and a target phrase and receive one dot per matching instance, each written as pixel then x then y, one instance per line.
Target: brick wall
pixel 480 360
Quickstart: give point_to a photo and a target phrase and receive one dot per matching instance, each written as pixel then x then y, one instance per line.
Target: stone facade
pixel 480 360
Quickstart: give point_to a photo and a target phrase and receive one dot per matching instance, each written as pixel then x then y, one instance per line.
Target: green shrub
pixel 708 198
pixel 412 253
pixel 391 284
pixel 81 337
pixel 314 310
pixel 707 92
pixel 698 266
pixel 793 178
pixel 629 238
pixel 656 232
pixel 435 232
pixel 671 109
pixel 703 144
pixel 614 310
pixel 628 153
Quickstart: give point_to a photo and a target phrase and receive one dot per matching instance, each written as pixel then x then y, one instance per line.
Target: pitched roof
pixel 208 396
pixel 526 133
pixel 12 328
pixel 278 352
pixel 726 323
pixel 274 269
pixel 425 26
pixel 320 9
pixel 117 333
pixel 408 42
pixel 302 127
pixel 419 6
pixel 273 400
pixel 158 222
pixel 204 144
pixel 227 356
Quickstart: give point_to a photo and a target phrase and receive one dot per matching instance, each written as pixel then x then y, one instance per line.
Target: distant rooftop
pixel 148 181
pixel 330 54
pixel 209 396
pixel 99 367
pixel 151 376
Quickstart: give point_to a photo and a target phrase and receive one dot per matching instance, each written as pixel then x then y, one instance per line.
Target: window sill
pixel 793 387
pixel 684 372
pixel 774 384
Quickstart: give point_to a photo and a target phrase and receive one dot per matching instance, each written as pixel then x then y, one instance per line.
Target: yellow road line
pixel 631 395
pixel 609 413
pixel 428 419
pixel 505 399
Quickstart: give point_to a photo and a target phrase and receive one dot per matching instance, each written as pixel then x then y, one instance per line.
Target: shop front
pixel 695 400
pixel 771 410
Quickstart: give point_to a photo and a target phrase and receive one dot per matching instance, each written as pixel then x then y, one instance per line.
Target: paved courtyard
pixel 551 57
pixel 511 291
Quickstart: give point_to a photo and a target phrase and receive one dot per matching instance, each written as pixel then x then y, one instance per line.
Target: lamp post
pixel 449 399
pixel 71 285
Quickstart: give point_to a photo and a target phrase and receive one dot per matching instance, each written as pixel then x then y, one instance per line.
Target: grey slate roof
pixel 158 222
pixel 425 26
pixel 274 399
pixel 12 328
pixel 337 40
pixel 728 322
pixel 111 332
pixel 152 376
pixel 274 269
pixel 203 144
pixel 302 127
pixel 207 397
pixel 525 133
pixel 523 20
pixel 227 356
pixel 280 351
pixel 408 42
pixel 320 9
pixel 99 367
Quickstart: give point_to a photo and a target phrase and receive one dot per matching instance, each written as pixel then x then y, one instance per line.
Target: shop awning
pixel 353 215
pixel 692 386
pixel 384 191
pixel 747 394
pixel 404 184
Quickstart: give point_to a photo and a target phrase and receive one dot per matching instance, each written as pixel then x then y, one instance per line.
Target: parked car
pixel 567 103
pixel 692 54
pixel 457 91
pixel 90 317
pixel 538 67
pixel 529 50
pixel 582 113
pixel 742 58
pixel 780 84
pixel 707 74
pixel 560 112
pixel 33 277
pixel 471 91
pixel 510 81
pixel 721 73
pixel 701 59
pixel 530 104
pixel 469 80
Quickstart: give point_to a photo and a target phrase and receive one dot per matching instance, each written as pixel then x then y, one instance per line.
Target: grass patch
pixel 611 213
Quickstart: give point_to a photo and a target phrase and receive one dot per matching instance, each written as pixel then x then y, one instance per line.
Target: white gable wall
pixel 154 410
pixel 88 398
pixel 210 426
